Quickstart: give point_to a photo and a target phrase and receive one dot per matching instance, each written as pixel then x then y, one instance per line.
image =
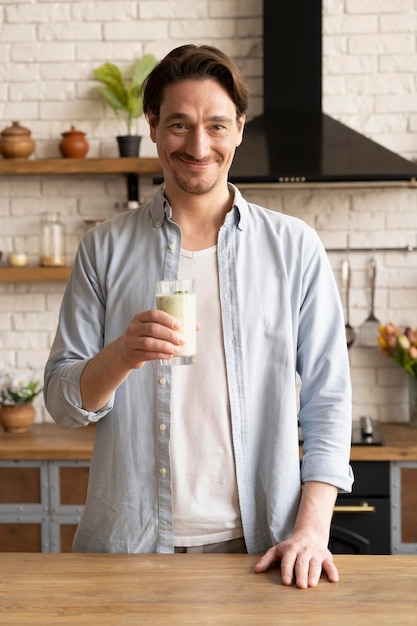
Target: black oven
pixel 362 520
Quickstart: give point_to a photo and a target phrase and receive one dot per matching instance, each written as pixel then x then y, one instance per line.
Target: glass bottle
pixel 52 241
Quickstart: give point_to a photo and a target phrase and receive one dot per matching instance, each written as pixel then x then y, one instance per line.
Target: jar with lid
pixel 16 142
pixel 73 145
pixel 52 241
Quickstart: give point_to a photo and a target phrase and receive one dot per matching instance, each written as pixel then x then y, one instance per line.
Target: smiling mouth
pixel 190 161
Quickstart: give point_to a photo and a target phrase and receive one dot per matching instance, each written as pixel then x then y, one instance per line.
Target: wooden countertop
pixel 52 442
pixel 181 589
pixel 48 442
pixel 400 445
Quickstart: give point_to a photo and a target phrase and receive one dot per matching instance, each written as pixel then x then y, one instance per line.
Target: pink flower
pixel 391 341
pixel 390 329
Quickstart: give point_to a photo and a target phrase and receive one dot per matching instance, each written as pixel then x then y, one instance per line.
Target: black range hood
pixel 294 141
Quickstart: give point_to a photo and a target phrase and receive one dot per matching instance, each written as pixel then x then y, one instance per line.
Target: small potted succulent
pixel 17 393
pixel 125 98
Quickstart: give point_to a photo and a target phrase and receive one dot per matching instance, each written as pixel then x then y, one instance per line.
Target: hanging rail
pixel 347 249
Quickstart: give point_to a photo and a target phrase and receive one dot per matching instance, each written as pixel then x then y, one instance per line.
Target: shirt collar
pixel 240 209
pixel 160 208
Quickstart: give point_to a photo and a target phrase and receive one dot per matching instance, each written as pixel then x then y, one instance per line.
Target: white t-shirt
pixel 205 498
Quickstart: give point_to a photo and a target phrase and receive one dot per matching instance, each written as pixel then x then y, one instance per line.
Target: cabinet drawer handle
pixel 351 508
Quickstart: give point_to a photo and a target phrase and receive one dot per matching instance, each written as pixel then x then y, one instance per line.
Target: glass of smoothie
pixel 178 298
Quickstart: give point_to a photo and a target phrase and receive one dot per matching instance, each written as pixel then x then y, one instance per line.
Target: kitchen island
pixel 181 589
pixel 44 475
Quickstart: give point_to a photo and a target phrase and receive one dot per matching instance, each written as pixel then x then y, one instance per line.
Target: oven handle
pixel 364 507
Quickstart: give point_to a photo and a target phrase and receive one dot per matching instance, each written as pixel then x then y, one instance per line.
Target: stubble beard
pixel 196 185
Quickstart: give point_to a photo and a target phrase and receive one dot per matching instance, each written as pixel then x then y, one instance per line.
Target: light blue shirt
pixel 281 314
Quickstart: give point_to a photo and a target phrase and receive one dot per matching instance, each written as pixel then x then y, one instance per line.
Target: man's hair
pixel 191 62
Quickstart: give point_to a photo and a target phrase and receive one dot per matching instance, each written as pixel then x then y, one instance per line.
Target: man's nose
pixel 198 144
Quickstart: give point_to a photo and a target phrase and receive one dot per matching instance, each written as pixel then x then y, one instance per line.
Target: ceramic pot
pixel 17 419
pixel 16 142
pixel 73 144
pixel 129 145
pixel 412 399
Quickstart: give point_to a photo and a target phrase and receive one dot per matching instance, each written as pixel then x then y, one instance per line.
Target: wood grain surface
pixel 50 441
pixel 33 274
pixel 34 167
pixel 181 589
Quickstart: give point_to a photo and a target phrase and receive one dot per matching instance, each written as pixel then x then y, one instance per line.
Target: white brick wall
pixel 47 53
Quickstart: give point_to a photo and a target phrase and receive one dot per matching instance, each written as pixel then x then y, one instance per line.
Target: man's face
pixel 197 135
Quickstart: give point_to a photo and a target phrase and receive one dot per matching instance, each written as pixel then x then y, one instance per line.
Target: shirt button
pixel 172 246
pixel 162 471
pixel 162 427
pixel 158 223
pixel 162 381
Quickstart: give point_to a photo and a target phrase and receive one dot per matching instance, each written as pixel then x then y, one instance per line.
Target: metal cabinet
pixel 40 504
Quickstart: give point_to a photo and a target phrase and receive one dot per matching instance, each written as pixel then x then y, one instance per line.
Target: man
pixel 204 457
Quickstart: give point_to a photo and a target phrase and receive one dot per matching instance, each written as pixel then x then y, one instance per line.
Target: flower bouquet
pixel 17 388
pixel 401 345
pixel 17 392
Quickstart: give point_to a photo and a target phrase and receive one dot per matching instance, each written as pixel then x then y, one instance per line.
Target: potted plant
pixel 17 392
pixel 125 98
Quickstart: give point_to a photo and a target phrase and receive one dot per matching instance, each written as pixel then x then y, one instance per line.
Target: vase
pixel 412 399
pixel 16 142
pixel 17 419
pixel 73 145
pixel 129 145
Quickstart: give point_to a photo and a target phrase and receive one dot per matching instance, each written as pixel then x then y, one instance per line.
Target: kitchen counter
pixel 49 442
pixel 103 589
pixel 400 445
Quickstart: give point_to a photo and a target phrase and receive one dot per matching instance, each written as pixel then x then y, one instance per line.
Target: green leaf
pixel 142 68
pixel 110 98
pixel 112 78
pixel 134 102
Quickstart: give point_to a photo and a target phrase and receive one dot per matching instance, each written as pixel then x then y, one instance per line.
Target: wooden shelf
pixel 131 167
pixel 33 274
pixel 121 165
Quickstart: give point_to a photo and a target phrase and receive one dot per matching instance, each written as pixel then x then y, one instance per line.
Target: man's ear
pixel 241 125
pixel 152 120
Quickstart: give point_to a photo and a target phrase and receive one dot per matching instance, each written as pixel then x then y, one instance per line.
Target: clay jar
pixel 16 142
pixel 73 144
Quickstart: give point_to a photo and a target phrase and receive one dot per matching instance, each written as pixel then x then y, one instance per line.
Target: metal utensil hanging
pixel 368 331
pixel 350 331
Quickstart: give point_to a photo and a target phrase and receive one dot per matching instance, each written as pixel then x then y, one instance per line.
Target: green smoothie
pixel 183 306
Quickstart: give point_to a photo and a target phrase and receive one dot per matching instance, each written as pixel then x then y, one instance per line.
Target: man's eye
pixel 178 126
